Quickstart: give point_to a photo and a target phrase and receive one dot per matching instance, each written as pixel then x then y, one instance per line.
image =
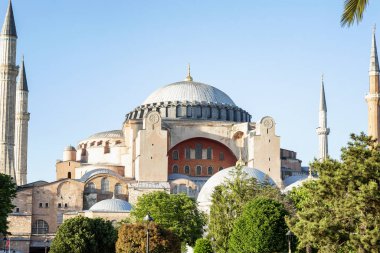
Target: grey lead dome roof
pixel 189 91
pixel 112 205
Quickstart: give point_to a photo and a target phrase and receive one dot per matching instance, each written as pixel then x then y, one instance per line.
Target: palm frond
pixel 353 11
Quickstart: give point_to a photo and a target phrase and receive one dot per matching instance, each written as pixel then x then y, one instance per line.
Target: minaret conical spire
pixel 22 82
pixel 322 104
pixel 374 62
pixel 9 26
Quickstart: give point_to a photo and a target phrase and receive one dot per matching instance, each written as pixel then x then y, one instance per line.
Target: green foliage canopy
pixel 260 229
pixel 228 200
pixel 203 245
pixel 132 238
pixel 8 190
pixel 340 212
pixel 84 235
pixel 176 212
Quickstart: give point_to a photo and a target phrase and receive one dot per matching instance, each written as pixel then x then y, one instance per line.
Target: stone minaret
pixel 323 131
pixel 22 119
pixel 8 74
pixel 373 96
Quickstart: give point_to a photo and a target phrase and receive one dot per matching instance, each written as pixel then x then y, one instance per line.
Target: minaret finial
pixel 188 78
pixel 322 105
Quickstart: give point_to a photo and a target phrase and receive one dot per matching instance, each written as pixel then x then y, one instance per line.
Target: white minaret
pixel 373 97
pixel 22 119
pixel 8 75
pixel 323 131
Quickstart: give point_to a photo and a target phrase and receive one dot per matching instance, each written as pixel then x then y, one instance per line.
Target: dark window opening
pixel 65 205
pixel 69 175
pixel 187 153
pixel 221 156
pixel 175 169
pixel 198 151
pixel 17 210
pixel 46 205
pixel 199 170
pixel 220 168
pixel 209 153
pixel 187 169
pixel 59 205
pixel 40 205
pixel 175 155
pixel 210 170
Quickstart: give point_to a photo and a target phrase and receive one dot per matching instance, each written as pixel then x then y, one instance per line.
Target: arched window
pixel 175 155
pixel 40 227
pixel 118 189
pixel 209 170
pixel 199 170
pixel 90 187
pixel 69 175
pixel 209 153
pixel 175 168
pixel 220 168
pixel 105 185
pixel 187 169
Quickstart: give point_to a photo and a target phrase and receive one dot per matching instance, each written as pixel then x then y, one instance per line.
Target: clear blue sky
pixel 91 62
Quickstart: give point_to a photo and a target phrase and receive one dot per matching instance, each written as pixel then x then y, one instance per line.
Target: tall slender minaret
pixel 8 75
pixel 323 131
pixel 22 119
pixel 373 96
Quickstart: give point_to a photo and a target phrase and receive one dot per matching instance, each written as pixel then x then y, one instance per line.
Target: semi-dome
pixel 112 205
pixel 191 92
pixel 204 196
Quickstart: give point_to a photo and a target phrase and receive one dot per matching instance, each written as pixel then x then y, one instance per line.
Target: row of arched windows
pixel 104 187
pixel 198 169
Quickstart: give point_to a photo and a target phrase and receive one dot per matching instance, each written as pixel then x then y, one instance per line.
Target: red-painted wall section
pixel 214 154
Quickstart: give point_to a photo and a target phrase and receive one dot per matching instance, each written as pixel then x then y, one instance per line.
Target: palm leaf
pixel 353 11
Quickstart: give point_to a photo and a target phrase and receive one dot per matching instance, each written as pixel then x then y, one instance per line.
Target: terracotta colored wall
pixel 229 158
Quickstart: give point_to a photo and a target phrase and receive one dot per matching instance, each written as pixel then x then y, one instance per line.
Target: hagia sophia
pixel 184 138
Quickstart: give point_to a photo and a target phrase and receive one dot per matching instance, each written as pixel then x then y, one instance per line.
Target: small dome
pixel 70 148
pixel 112 205
pixel 220 177
pixel 189 91
pixel 107 134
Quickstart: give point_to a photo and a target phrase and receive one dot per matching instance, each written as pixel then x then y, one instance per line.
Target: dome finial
pixel 188 78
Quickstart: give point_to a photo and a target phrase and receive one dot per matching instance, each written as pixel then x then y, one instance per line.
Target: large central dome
pixel 189 100
pixel 189 91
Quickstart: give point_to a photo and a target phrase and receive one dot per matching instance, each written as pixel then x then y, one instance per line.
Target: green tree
pixel 8 190
pixel 133 238
pixel 260 229
pixel 203 245
pixel 84 235
pixel 340 212
pixel 228 200
pixel 353 11
pixel 176 212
